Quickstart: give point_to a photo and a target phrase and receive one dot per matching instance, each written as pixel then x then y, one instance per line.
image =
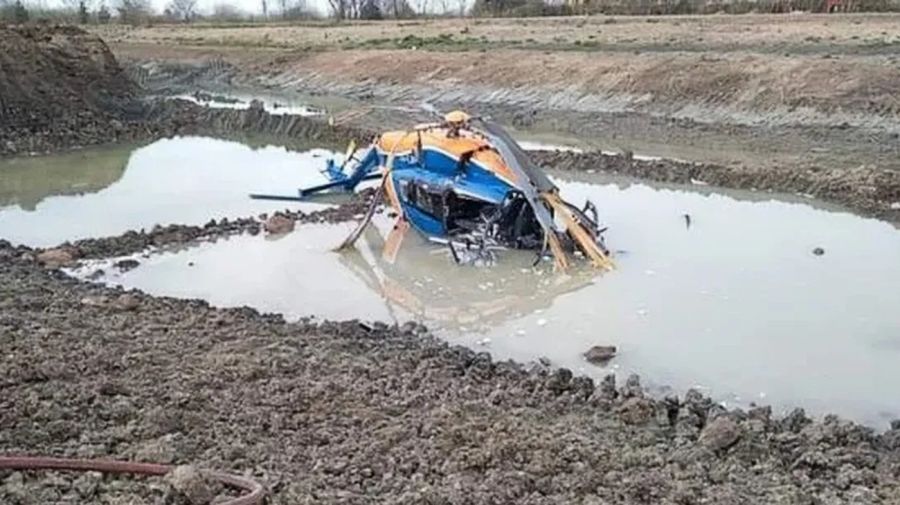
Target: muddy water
pixel 98 192
pixel 732 301
pixel 272 104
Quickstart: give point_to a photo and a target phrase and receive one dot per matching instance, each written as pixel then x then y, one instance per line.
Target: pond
pixel 750 297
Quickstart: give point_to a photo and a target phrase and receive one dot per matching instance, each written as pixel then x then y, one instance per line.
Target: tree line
pixel 136 12
pixel 186 11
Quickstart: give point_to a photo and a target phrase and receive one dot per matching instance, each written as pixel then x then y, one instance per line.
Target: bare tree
pixel 224 11
pixel 338 9
pixel 294 9
pixel 183 10
pixel 133 11
pixel 265 9
pixel 103 14
pixel 397 9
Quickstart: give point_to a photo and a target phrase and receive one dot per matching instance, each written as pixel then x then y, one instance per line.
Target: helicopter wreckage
pixel 464 182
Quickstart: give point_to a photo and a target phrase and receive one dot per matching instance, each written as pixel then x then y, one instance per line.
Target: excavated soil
pixel 341 413
pixel 58 85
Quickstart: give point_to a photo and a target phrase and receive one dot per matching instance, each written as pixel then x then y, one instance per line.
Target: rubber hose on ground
pixel 254 496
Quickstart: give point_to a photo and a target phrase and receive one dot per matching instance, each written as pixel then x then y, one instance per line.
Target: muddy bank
pixel 754 109
pixel 336 413
pixel 869 190
pixel 62 88
pixel 59 84
pixel 157 119
pixel 136 241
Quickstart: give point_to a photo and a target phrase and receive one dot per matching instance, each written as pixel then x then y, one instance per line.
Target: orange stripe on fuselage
pixel 485 155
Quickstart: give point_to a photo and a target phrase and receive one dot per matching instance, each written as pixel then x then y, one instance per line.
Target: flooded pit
pixel 47 200
pixel 714 289
pixel 732 301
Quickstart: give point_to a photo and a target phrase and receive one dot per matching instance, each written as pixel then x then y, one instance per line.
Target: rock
pixel 795 421
pixel 607 387
pixel 58 257
pixel 190 483
pixel 127 264
pixel 818 251
pixel 632 386
pixel 600 354
pixel 279 224
pixel 127 302
pixel 637 411
pixel 720 434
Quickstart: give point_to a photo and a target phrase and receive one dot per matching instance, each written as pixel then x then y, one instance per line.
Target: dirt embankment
pixel 785 94
pixel 756 70
pixel 336 413
pixel 59 85
pixel 67 90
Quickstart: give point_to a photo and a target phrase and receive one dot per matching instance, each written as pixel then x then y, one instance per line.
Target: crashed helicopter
pixel 465 183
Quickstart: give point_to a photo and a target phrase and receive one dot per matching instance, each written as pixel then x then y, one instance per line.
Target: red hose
pixel 255 492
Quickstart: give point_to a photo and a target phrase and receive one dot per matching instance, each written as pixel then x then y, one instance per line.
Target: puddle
pixel 100 192
pixel 276 106
pixel 734 303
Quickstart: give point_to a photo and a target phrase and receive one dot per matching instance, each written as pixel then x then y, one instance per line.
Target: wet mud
pixel 338 412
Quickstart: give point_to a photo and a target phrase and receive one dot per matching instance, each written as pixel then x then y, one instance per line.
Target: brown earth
pixel 55 79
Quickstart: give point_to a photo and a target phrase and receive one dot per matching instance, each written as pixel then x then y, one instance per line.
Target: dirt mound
pixel 59 81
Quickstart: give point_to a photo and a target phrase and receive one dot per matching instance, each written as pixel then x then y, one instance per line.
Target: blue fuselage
pixel 421 184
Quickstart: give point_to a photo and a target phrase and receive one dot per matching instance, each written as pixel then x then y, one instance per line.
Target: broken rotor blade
pixel 354 236
pixel 577 231
pixel 395 240
pixel 351 150
pixel 531 181
pixel 379 194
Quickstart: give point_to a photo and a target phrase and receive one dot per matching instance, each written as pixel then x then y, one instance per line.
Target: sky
pixel 204 6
